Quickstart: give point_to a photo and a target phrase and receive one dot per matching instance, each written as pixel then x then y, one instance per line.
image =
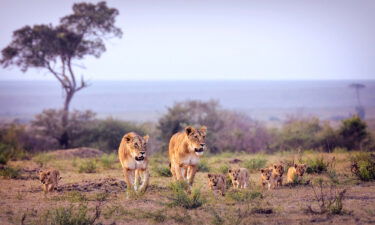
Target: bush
pixel 162 171
pixel 106 134
pixel 354 134
pixel 109 161
pixel 317 165
pixel 71 215
pixel 227 130
pixel 203 166
pixel 243 195
pixel 10 173
pixel 42 159
pixel 363 166
pixel 87 166
pixel 255 163
pixel 223 169
pixel 182 199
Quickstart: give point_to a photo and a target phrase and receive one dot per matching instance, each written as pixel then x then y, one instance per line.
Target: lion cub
pixel 217 183
pixel 265 177
pixel 277 175
pixel 295 172
pixel 49 179
pixel 239 177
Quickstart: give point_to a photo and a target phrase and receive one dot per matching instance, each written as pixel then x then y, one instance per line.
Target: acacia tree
pixel 54 48
pixel 359 108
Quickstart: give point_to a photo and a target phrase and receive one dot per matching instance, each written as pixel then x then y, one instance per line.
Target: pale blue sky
pixel 213 39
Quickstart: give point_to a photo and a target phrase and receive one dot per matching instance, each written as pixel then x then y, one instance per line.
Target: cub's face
pixel 266 173
pixel 197 139
pixel 300 169
pixel 137 146
pixel 278 169
pixel 215 180
pixel 234 174
pixel 44 176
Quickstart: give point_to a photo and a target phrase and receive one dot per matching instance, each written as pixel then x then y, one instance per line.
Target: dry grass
pixel 23 200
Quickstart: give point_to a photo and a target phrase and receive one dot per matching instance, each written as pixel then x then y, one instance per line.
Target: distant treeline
pixel 227 131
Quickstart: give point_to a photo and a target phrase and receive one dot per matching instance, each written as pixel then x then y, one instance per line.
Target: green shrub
pixel 203 166
pixel 10 173
pixel 182 199
pixel 87 166
pixel 255 163
pixel 42 159
pixel 162 171
pixel 223 169
pixel 363 166
pixel 71 215
pixel 243 195
pixel 71 196
pixel 317 165
pixel 109 161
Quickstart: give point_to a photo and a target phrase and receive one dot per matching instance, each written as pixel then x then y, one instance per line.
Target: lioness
pixel 239 177
pixel 132 154
pixel 49 179
pixel 277 175
pixel 217 183
pixel 296 172
pixel 185 149
pixel 265 177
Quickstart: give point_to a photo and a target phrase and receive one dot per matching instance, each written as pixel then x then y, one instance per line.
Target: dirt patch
pixel 82 152
pixel 105 185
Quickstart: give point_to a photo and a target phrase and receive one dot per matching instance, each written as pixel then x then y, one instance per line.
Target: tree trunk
pixel 64 139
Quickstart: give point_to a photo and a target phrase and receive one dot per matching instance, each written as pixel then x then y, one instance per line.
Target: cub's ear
pixel 204 129
pixel 146 138
pixel 209 175
pixel 275 166
pixel 295 166
pixel 304 165
pixel 189 130
pixel 60 178
pixel 229 171
pixel 261 170
pixel 49 172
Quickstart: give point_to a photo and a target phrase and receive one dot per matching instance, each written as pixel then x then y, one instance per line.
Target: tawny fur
pixel 265 178
pixel 49 179
pixel 277 175
pixel 132 154
pixel 296 172
pixel 239 177
pixel 185 150
pixel 217 183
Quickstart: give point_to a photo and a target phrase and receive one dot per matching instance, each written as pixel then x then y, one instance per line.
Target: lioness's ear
pixel 261 170
pixel 128 137
pixel 204 129
pixel 189 130
pixel 209 175
pixel 146 138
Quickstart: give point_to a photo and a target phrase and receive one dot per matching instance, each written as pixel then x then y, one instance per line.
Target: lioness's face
pixel 234 174
pixel 266 173
pixel 300 169
pixel 197 139
pixel 214 180
pixel 278 169
pixel 137 146
pixel 44 176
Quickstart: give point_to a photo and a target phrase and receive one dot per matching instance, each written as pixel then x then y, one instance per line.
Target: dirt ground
pixel 22 199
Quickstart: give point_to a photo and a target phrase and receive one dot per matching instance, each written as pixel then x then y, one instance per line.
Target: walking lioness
pixel 132 154
pixel 185 149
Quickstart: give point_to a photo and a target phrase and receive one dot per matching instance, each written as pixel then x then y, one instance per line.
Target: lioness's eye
pixel 135 145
